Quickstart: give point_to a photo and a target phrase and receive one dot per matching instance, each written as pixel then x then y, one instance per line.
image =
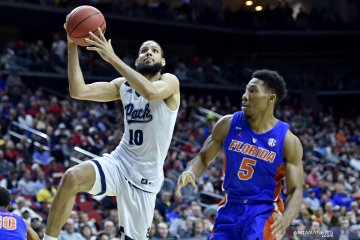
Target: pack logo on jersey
pixel 141 115
pixel 272 142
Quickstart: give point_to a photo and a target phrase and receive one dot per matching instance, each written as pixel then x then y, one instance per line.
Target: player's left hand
pixel 102 46
pixel 279 226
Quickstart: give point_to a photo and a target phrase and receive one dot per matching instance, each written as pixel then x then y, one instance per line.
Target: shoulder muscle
pixel 293 150
pixel 221 128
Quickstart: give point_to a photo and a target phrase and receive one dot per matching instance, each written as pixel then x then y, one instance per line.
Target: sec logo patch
pixel 272 142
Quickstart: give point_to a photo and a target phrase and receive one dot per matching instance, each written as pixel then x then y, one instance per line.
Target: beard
pixel 148 69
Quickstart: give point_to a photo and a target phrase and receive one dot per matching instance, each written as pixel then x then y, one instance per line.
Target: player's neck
pixel 153 77
pixel 262 123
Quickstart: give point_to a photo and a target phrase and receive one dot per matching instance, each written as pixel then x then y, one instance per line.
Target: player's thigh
pixel 258 227
pixel 107 177
pixel 136 211
pixel 226 225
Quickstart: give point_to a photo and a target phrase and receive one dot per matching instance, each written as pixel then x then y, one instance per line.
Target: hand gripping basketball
pixel 100 45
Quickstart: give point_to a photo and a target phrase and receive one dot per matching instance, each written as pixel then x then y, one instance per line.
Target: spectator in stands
pixel 23 117
pixel 341 198
pixel 152 231
pixel 355 212
pixel 41 156
pixel 344 231
pixel 33 109
pixel 74 215
pixel 103 236
pixel 46 194
pixel 85 231
pixel 312 200
pixel 26 184
pixel 110 229
pixel 69 232
pixel 40 230
pixel 15 85
pixel 199 230
pixel 178 225
pixel 24 150
pixel 58 49
pixel 84 220
pixel 113 216
pixel 5 165
pixel 164 204
pixel 207 186
pixel 162 232
pixel 22 205
pixel 196 210
pixel 10 181
pixel 40 177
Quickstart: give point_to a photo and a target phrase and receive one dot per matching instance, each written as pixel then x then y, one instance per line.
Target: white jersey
pixel 146 140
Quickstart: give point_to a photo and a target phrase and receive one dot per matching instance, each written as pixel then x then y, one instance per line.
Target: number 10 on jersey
pixel 9 223
pixel 136 137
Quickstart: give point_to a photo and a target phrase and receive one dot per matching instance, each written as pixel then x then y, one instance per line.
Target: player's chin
pixel 247 111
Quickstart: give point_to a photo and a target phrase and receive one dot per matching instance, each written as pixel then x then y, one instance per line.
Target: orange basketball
pixel 81 21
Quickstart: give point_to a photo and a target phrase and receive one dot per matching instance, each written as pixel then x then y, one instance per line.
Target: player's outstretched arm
pixel 152 91
pixel 211 148
pixel 31 234
pixel 293 153
pixel 98 91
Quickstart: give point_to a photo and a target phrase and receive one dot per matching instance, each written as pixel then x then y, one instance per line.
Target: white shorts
pixel 135 206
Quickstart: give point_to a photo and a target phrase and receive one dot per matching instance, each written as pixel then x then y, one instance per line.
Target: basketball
pixel 81 21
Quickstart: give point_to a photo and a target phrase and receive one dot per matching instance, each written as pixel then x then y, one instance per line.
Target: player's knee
pixel 70 179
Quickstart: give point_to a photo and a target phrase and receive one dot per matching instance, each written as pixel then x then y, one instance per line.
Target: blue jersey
pixel 253 166
pixel 12 226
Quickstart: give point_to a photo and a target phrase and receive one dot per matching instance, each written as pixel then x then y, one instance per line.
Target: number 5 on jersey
pixel 136 137
pixel 246 169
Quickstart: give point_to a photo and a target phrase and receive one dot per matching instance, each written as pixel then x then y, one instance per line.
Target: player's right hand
pixel 185 178
pixel 68 38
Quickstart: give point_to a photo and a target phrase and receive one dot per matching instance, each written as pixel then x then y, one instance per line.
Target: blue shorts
pixel 240 221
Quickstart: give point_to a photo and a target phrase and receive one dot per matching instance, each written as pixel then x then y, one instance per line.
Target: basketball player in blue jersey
pixel 133 172
pixel 13 226
pixel 260 151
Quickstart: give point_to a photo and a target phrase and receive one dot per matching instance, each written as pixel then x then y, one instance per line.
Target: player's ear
pixel 136 61
pixel 272 98
pixel 163 62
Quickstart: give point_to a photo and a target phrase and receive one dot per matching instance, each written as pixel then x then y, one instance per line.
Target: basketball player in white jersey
pixel 133 172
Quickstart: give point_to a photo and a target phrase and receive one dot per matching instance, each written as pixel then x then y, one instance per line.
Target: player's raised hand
pixel 101 45
pixel 185 178
pixel 67 36
pixel 279 226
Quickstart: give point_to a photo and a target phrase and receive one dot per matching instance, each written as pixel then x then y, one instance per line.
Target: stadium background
pixel 213 47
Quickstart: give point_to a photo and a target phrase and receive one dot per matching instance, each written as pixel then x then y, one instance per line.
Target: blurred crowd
pixel 25 56
pixel 279 16
pixel 31 166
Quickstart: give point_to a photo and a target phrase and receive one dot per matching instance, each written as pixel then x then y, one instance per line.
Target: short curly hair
pixel 4 197
pixel 274 81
